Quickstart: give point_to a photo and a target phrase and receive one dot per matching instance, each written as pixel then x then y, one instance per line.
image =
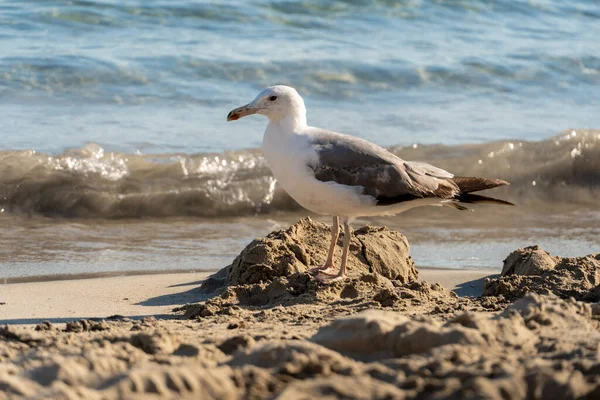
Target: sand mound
pixel 272 271
pixel 534 270
pixel 304 245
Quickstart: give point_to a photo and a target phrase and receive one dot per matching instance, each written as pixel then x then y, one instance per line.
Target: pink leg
pixel 329 267
pixel 341 274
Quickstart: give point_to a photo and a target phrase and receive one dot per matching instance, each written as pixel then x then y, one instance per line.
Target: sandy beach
pixel 264 328
pixel 139 296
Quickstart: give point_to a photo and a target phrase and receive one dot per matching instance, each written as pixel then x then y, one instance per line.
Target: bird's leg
pixel 329 267
pixel 341 274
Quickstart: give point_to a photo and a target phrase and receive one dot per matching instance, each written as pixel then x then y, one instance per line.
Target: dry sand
pixel 141 296
pixel 263 328
pixel 134 296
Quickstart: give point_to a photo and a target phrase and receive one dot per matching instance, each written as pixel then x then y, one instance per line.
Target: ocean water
pixel 115 154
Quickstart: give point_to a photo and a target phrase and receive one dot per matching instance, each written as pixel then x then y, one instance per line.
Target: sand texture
pixel 304 245
pixel 264 328
pixel 534 270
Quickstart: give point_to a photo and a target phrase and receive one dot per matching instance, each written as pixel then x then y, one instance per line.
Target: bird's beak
pixel 241 112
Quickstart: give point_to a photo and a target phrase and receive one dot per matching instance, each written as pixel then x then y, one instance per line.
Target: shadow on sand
pixel 472 288
pixel 194 295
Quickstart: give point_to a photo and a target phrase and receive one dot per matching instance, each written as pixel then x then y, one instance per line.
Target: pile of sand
pixel 272 271
pixel 305 244
pixel 534 270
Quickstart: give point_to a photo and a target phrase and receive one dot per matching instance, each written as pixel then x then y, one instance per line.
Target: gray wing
pixel 351 161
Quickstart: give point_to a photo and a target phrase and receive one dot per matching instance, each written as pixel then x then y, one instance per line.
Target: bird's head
pixel 275 102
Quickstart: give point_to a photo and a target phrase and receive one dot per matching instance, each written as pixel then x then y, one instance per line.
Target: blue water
pixel 160 76
pixel 118 103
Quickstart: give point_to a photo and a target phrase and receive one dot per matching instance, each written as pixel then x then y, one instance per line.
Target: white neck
pixel 289 124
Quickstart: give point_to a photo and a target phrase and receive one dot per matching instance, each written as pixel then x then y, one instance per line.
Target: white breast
pixel 289 156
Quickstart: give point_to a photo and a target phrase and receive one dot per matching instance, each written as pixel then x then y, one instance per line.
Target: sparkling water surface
pixel 82 79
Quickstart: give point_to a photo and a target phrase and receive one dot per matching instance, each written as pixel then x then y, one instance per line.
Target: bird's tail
pixel 468 185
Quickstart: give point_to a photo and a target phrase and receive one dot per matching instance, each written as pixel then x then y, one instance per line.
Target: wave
pixel 111 63
pixel 91 183
pixel 159 77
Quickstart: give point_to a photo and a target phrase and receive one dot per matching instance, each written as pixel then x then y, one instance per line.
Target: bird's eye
pixel 273 98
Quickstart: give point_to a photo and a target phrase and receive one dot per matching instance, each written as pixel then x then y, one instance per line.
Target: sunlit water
pixel 113 122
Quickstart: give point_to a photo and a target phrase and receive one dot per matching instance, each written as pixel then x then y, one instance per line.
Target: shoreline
pixel 96 275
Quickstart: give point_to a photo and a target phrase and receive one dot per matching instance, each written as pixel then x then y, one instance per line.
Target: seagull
pixel 346 177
